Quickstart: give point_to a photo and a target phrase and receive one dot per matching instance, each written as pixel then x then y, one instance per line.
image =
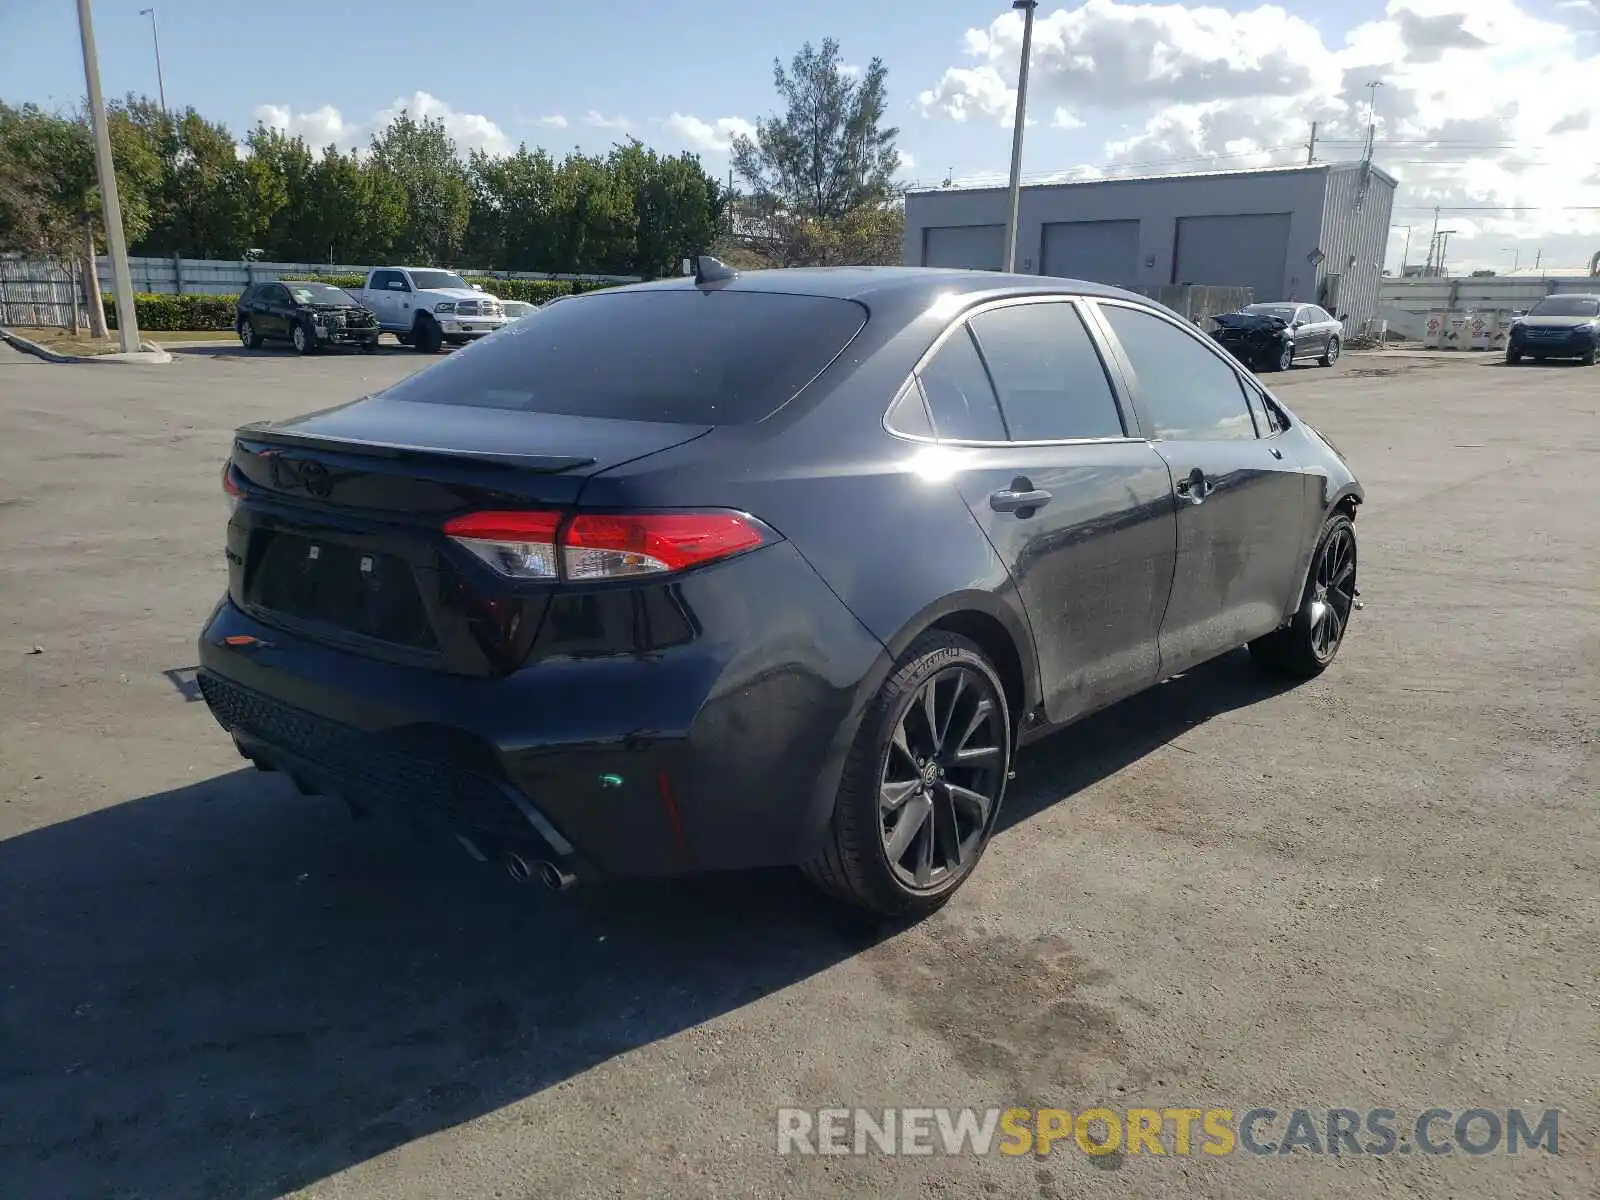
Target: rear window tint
pixel 692 357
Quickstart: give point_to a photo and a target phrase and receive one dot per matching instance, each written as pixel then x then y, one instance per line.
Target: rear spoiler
pixel 262 433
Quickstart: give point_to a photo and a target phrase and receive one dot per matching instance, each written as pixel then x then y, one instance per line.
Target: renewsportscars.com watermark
pixel 1263 1132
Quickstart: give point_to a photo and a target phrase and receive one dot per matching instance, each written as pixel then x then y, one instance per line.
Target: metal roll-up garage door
pixel 975 247
pixel 1099 251
pixel 1246 250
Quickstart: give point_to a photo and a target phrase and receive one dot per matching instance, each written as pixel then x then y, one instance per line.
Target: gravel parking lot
pixel 1374 890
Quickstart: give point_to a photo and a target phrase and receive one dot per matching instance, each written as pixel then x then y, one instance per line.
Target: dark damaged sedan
pixel 1270 337
pixel 780 568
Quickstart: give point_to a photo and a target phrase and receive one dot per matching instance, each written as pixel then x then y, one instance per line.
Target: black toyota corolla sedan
pixel 773 568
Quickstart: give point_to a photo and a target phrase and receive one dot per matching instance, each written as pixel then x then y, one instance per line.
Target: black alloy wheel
pixel 1308 644
pixel 923 784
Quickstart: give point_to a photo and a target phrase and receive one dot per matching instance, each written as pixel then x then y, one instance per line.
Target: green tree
pixel 828 153
pixel 421 157
pixel 676 206
pixel 512 199
pixel 50 191
pixel 591 217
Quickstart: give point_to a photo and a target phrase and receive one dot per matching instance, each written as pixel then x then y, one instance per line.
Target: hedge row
pixel 166 314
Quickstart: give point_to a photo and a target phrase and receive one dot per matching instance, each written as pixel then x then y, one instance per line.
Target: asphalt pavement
pixel 1373 890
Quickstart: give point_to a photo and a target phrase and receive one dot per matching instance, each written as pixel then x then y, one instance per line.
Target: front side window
pixel 960 398
pixel 1188 391
pixel 1051 381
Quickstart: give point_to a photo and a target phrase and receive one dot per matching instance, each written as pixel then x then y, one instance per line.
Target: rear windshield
pixel 699 358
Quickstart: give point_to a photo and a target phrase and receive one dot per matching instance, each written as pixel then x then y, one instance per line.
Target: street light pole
pixel 111 206
pixel 161 86
pixel 1015 200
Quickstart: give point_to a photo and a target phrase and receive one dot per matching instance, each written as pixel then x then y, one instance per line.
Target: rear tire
pixel 426 335
pixel 1589 358
pixel 1513 357
pixel 1307 646
pixel 938 791
pixel 1331 354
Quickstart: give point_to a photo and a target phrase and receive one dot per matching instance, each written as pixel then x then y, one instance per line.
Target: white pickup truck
pixel 428 308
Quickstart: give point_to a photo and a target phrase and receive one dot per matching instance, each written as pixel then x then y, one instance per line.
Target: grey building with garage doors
pixel 1316 234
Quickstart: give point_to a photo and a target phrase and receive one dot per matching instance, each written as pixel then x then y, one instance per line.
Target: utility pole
pixel 1027 7
pixel 1434 240
pixel 161 86
pixel 1538 258
pixel 111 206
pixel 1311 146
pixel 1444 243
pixel 1372 126
pixel 1405 251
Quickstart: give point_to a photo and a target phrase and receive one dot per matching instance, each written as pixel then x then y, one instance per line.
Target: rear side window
pixel 1189 391
pixel 960 397
pixel 685 356
pixel 249 293
pixel 1051 381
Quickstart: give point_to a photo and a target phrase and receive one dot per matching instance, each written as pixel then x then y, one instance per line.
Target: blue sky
pixel 1153 88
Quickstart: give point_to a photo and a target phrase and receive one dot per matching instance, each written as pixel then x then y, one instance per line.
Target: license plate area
pixel 329 582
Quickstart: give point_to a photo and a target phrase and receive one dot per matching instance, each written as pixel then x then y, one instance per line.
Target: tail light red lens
pixel 520 545
pixel 230 486
pixel 536 545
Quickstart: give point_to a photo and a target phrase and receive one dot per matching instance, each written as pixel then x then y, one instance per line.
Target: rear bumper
pixel 721 752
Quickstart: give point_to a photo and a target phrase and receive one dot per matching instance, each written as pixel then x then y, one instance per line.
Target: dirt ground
pixel 1374 890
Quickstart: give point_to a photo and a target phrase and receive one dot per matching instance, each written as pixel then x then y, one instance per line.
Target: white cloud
pixel 471 131
pixel 618 122
pixel 1065 118
pixel 715 135
pixel 907 162
pixel 851 70
pixel 1484 103
pixel 554 121
pixel 327 126
pixel 321 127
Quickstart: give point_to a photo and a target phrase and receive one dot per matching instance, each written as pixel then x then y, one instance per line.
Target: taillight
pixel 521 545
pixel 230 487
pixel 591 546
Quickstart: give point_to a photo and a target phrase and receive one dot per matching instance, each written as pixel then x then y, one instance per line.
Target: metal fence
pixel 40 293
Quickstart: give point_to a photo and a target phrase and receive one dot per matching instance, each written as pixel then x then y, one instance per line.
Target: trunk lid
pixel 337 534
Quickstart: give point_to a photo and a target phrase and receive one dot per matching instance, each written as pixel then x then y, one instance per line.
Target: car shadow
pixel 227 350
pixel 1544 363
pixel 228 989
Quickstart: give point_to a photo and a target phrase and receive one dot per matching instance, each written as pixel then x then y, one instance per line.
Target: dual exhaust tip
pixel 552 875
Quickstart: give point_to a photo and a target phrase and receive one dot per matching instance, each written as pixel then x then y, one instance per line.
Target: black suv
pixel 305 314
